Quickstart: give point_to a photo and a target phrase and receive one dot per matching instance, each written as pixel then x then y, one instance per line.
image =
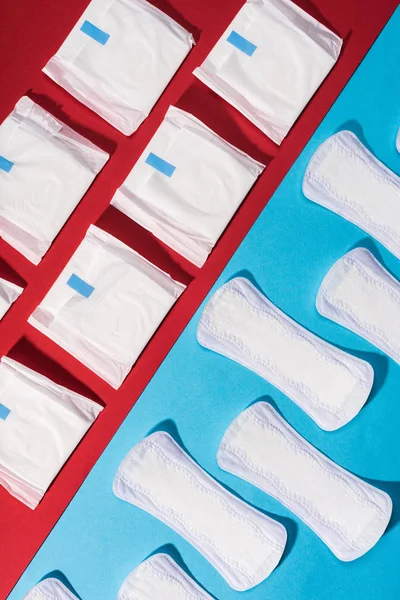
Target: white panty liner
pixel 360 294
pixel 50 589
pixel 243 544
pixel 160 578
pixel 330 385
pixel 346 178
pixel 9 292
pixel 348 514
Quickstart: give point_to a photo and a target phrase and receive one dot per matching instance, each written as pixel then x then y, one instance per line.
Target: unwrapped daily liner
pixel 45 170
pixel 187 185
pixel 344 176
pixel 41 423
pixel 118 59
pixel 240 323
pixel 160 578
pixel 360 294
pixel 50 589
pixel 243 544
pixel 348 514
pixel 269 63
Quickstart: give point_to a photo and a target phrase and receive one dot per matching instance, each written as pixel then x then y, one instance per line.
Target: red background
pixel 30 32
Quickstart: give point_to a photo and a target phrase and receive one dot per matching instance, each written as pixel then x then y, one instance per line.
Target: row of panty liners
pixel 187 185
pixel 45 169
pixel 9 292
pixel 121 54
pixel 105 305
pixel 243 544
pixel 157 578
pixel 41 423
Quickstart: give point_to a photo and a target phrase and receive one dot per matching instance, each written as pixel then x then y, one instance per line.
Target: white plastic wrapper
pixel 187 185
pixel 358 293
pixel 160 578
pixel 348 514
pixel 119 58
pixel 330 385
pixel 270 62
pixel 41 423
pixel 243 544
pixel 45 170
pixel 50 589
pixel 9 292
pixel 106 305
pixel 345 177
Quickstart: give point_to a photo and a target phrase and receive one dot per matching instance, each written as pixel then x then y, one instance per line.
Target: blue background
pixel 197 393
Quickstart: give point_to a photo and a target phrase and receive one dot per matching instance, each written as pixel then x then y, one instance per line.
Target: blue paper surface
pixel 99 539
pixel 241 43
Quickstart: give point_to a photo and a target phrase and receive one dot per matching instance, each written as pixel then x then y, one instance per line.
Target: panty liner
pixel 360 294
pixel 346 178
pixel 50 589
pixel 243 544
pixel 160 578
pixel 9 292
pixel 330 385
pixel 348 514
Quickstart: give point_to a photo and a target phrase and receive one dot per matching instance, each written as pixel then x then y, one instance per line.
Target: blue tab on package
pixel 4 412
pixel 5 165
pixel 80 286
pixel 241 43
pixel 161 165
pixel 95 33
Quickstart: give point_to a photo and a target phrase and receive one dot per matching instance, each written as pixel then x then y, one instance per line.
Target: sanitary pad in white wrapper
pixel 360 294
pixel 187 185
pixel 243 544
pixel 45 169
pixel 160 578
pixel 269 63
pixel 50 589
pixel 41 423
pixel 9 292
pixel 119 58
pixel 346 178
pixel 330 385
pixel 106 305
pixel 348 514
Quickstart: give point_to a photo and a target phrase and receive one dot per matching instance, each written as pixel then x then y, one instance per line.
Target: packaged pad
pixel 118 59
pixel 45 169
pixel 9 292
pixel 187 185
pixel 345 177
pixel 243 544
pixel 160 578
pixel 360 294
pixel 50 589
pixel 330 385
pixel 41 423
pixel 348 514
pixel 270 62
pixel 106 305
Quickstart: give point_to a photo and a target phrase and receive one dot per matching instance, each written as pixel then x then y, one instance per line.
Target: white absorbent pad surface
pixel 119 58
pixel 160 578
pixel 187 185
pixel 9 292
pixel 330 385
pixel 360 294
pixel 348 514
pixel 243 544
pixel 345 177
pixel 106 305
pixel 50 589
pixel 269 63
pixel 45 170
pixel 41 423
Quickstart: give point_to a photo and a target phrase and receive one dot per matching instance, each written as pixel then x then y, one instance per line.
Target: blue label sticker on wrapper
pixel 241 43
pixel 80 286
pixel 160 165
